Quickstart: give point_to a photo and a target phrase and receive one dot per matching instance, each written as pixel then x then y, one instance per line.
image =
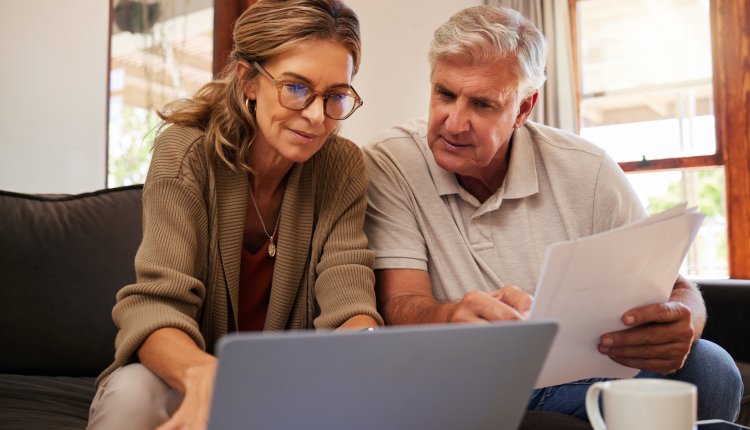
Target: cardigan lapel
pixel 231 196
pixel 295 230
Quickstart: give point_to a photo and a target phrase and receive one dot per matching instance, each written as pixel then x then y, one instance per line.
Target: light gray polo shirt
pixel 558 187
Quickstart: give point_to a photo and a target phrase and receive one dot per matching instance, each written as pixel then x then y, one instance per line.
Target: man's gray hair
pixel 484 34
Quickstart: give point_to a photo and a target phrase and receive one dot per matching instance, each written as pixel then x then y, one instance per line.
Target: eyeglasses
pixel 297 96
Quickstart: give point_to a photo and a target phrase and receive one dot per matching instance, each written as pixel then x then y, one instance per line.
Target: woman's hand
pixel 193 411
pixel 173 356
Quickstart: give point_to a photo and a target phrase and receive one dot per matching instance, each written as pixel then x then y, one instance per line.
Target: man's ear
pixel 249 89
pixel 527 105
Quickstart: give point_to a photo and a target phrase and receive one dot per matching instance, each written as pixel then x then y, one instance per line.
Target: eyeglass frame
pixel 279 84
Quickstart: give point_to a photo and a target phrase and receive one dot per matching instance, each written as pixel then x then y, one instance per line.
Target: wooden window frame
pixel 226 13
pixel 730 38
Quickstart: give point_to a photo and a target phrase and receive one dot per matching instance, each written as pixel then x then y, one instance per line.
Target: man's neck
pixel 483 186
pixel 479 188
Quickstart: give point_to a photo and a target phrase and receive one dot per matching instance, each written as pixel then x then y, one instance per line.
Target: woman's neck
pixel 269 169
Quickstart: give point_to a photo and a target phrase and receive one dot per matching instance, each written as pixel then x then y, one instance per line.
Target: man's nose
pixel 458 119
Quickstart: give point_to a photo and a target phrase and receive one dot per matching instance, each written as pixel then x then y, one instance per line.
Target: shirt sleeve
pixel 615 201
pixel 171 262
pixel 391 224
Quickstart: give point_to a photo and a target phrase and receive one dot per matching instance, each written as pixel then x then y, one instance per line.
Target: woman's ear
pixel 249 88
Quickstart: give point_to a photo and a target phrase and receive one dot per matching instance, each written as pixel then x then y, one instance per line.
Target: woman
pixel 253 214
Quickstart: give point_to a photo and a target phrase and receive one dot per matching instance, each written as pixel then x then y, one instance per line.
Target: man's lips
pixel 453 144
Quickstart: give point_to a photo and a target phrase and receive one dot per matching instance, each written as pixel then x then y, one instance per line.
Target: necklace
pixel 271 246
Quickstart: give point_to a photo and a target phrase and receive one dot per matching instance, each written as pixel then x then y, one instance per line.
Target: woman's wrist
pixel 359 322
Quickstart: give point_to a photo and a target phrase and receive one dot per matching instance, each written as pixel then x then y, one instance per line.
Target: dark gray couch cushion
pixel 62 260
pixel 45 402
pixel 727 304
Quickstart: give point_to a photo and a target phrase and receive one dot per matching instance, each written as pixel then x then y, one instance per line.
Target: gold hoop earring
pixel 248 106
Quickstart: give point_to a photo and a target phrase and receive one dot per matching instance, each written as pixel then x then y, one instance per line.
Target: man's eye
pixel 482 105
pixel 444 94
pixel 296 89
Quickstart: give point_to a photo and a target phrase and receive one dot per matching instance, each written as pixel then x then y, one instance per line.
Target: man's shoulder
pixel 560 141
pixel 413 128
pixel 402 144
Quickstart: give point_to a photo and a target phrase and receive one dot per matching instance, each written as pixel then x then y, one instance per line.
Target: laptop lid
pixel 435 377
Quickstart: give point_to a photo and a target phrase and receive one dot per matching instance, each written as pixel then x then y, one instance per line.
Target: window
pixel 159 51
pixel 647 96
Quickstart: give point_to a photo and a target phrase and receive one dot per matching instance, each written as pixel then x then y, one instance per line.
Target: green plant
pixel 131 139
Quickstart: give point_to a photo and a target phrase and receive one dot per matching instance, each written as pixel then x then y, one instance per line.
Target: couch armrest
pixel 728 307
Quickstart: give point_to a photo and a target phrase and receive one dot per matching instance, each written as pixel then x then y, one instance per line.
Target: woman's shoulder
pixel 178 140
pixel 339 152
pixel 339 162
pixel 177 149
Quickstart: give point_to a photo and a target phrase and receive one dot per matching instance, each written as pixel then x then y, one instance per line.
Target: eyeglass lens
pixel 338 105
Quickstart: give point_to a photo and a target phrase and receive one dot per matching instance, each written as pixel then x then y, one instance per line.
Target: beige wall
pixel 53 86
pixel 394 76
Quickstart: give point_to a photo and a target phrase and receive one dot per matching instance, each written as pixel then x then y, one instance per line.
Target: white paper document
pixel 587 284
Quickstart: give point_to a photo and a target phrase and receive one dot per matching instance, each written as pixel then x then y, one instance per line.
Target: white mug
pixel 642 404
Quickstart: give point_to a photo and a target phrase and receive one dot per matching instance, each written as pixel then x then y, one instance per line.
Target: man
pixel 463 207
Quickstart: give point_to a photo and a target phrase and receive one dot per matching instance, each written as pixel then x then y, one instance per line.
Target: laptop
pixel 458 376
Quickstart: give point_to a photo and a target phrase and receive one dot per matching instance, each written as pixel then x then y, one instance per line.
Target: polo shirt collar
pixel 521 179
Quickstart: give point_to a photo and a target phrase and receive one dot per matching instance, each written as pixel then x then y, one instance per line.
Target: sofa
pixel 64 257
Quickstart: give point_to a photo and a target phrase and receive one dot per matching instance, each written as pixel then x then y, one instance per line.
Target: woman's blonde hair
pixel 266 29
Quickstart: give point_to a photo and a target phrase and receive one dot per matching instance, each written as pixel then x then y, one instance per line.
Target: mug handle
pixel 592 406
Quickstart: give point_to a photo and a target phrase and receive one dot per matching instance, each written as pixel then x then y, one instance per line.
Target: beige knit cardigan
pixel 188 264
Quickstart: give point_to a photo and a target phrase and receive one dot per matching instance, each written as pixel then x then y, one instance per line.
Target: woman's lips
pixel 303 136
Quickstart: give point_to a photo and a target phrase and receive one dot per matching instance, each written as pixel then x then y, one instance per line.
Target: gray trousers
pixel 135 398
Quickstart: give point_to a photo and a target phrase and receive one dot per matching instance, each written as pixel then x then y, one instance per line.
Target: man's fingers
pixel 502 312
pixel 669 351
pixel 660 348
pixel 657 313
pixel 515 298
pixel 477 306
pixel 650 334
pixel 661 366
pixel 662 359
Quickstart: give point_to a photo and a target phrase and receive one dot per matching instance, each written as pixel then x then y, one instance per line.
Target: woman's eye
pixel 297 89
pixel 337 96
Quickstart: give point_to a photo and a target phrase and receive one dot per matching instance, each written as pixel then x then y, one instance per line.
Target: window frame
pixel 226 13
pixel 731 85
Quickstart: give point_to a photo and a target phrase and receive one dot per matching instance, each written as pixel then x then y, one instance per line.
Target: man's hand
pixel 507 303
pixel 405 297
pixel 516 298
pixel 658 339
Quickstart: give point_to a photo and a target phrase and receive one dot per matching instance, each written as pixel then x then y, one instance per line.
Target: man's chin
pixel 450 163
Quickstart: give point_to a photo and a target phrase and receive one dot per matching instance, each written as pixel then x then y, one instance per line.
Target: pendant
pixel 271 249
